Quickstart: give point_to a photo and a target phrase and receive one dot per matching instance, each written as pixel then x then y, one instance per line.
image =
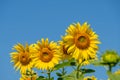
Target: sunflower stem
pixel 31 78
pixel 110 68
pixel 63 71
pixel 31 73
pixel 77 74
pixel 49 75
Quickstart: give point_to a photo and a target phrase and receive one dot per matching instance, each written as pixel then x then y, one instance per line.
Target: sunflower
pixel 30 75
pixel 81 42
pixel 22 57
pixel 47 55
pixel 63 50
pixel 117 72
pixel 110 57
pixel 25 77
pixel 90 78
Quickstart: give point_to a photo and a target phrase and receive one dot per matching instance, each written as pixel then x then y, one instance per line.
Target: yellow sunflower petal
pixel 71 49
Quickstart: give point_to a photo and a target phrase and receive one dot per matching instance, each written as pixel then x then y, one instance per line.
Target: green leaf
pixel 60 79
pixel 64 64
pixel 51 78
pixel 96 63
pixel 58 66
pixel 41 78
pixel 72 76
pixel 73 63
pixel 119 64
pixel 113 76
pixel 58 74
pixel 101 63
pixel 84 71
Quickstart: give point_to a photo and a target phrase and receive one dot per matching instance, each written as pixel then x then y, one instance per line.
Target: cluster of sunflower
pixel 76 48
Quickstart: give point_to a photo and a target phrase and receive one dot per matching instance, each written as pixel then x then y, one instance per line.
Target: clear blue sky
pixel 28 21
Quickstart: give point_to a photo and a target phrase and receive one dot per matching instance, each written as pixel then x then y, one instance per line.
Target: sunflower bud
pixel 110 57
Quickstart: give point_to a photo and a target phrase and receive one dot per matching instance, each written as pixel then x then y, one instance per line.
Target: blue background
pixel 28 21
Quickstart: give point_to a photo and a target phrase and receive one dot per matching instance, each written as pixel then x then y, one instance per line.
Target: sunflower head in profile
pixel 82 42
pixel 63 50
pixel 47 54
pixel 22 57
pixel 110 57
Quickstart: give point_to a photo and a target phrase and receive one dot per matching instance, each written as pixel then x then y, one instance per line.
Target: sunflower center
pixel 65 50
pixel 82 41
pixel 46 55
pixel 24 58
pixel 31 78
